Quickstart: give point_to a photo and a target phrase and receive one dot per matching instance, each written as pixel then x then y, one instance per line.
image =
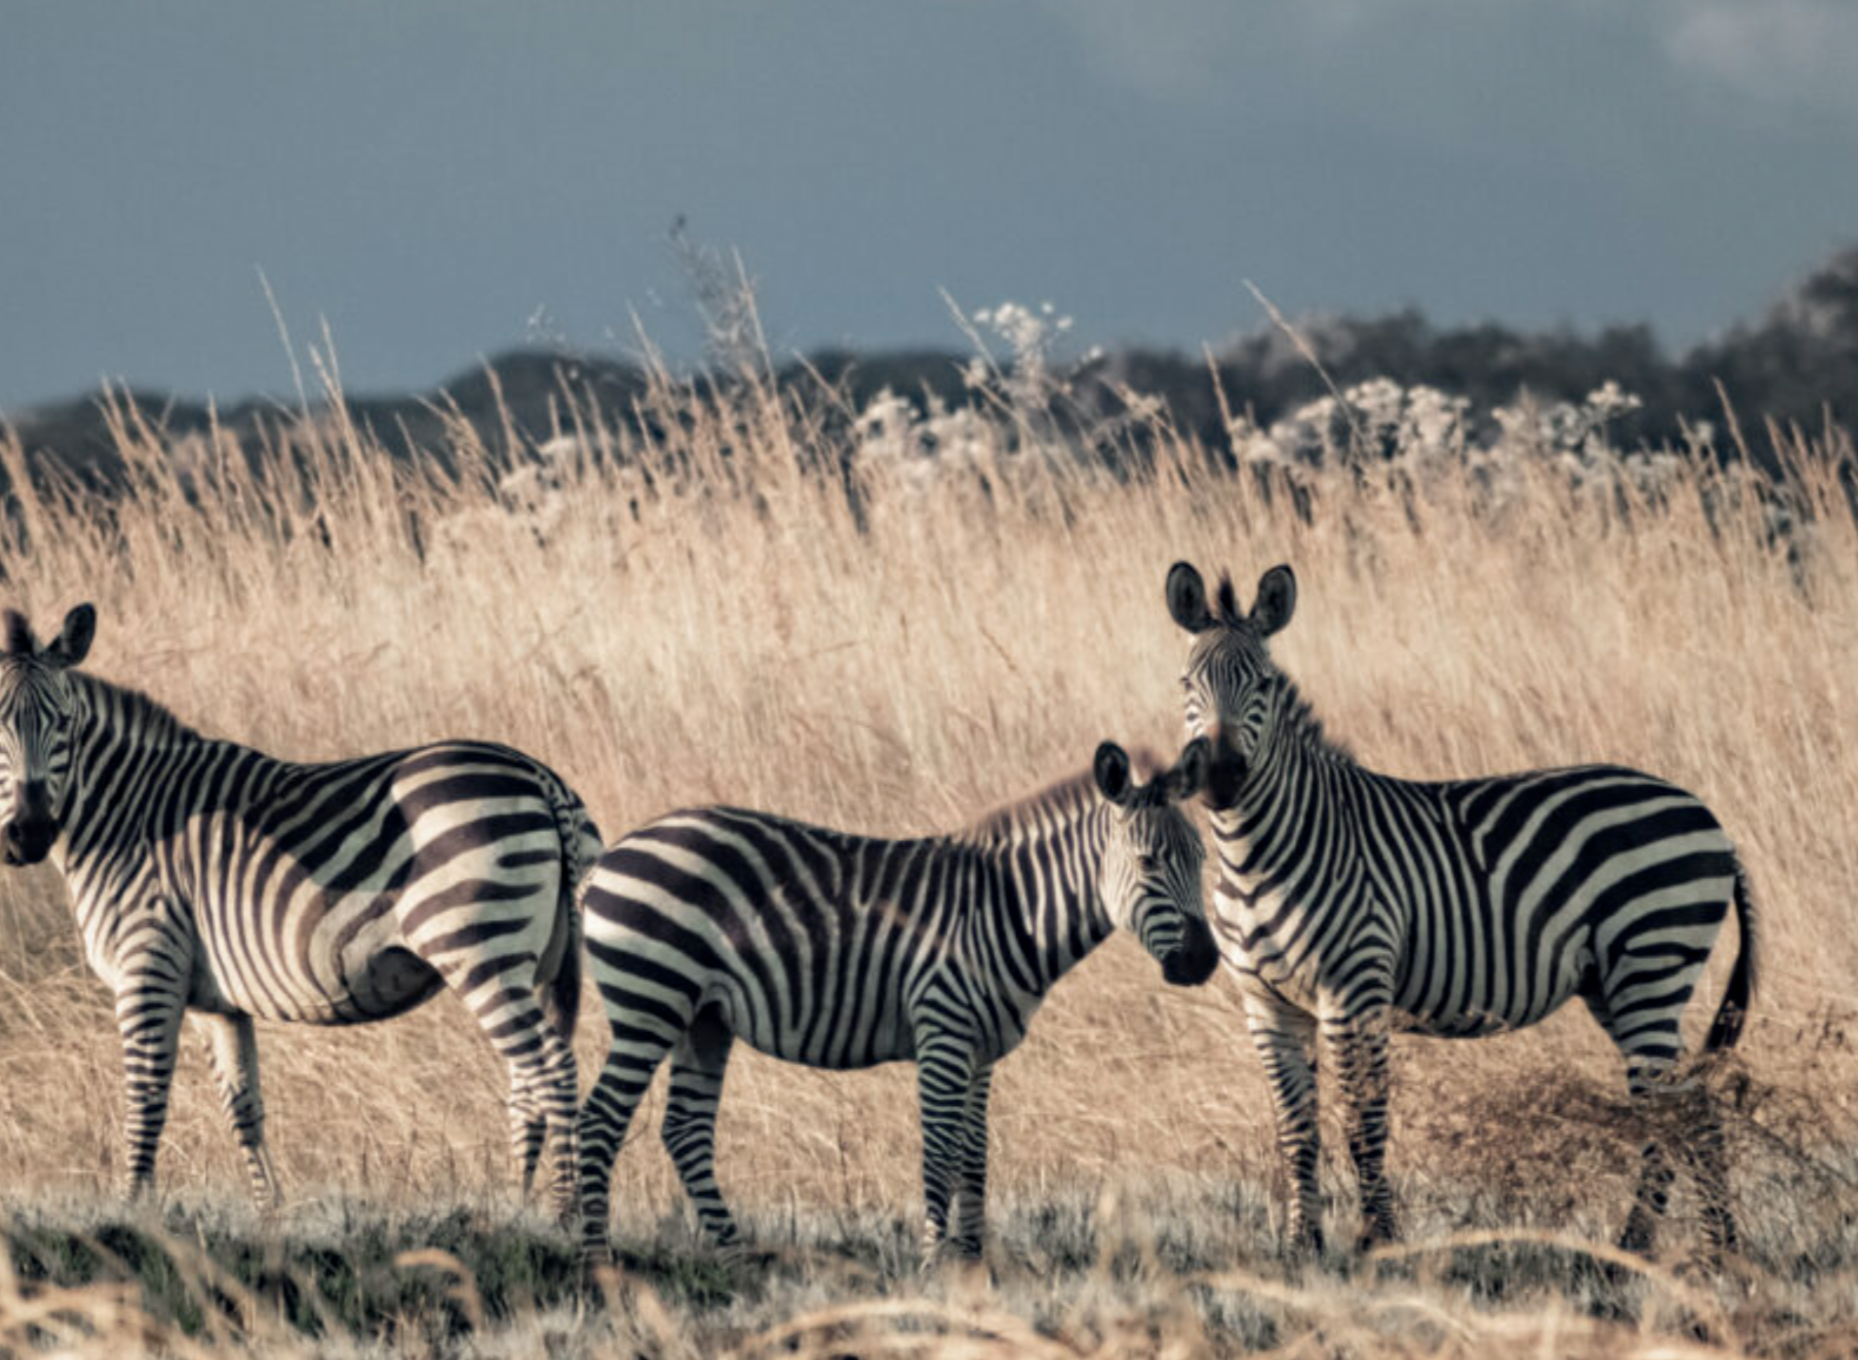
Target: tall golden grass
pixel 719 614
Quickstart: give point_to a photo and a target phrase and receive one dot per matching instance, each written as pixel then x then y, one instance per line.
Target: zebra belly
pixel 835 1040
pixel 351 969
pixel 1452 1005
pixel 392 983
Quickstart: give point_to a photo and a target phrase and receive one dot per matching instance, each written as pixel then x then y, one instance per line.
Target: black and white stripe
pixel 1359 904
pixel 844 951
pixel 213 881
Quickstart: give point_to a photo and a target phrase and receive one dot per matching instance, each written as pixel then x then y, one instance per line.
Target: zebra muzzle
pixel 28 842
pixel 29 835
pixel 1194 961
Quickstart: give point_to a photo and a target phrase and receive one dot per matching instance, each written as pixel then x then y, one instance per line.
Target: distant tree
pixel 1799 363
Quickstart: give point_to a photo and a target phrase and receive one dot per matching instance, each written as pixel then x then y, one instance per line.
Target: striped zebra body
pixel 842 951
pixel 212 881
pixel 1352 905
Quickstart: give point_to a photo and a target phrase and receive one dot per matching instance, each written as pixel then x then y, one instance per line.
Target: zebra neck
pixel 126 747
pixel 1048 911
pixel 1296 794
pixel 118 725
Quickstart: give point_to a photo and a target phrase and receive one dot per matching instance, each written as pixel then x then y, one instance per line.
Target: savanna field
pixel 891 622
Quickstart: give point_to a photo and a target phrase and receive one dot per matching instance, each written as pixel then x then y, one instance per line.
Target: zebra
pixel 842 951
pixel 213 881
pixel 1361 904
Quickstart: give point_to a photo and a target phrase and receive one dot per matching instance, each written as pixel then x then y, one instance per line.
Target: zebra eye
pixel 1147 863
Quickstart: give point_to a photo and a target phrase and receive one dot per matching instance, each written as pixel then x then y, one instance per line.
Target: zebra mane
pixel 1306 728
pixel 19 638
pixel 152 721
pixel 1056 803
pixel 1227 600
pixel 1060 803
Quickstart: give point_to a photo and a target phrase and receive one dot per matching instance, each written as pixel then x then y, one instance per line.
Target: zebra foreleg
pixel 1285 1039
pixel 698 1065
pixel 944 1076
pixel 149 1006
pixel 1359 1045
pixel 970 1211
pixel 232 1053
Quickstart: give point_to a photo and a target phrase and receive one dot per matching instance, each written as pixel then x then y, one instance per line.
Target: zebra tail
pixel 580 847
pixel 1733 1012
pixel 561 1003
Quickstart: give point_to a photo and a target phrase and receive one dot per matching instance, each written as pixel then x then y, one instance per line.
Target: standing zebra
pixel 843 951
pixel 1369 904
pixel 213 880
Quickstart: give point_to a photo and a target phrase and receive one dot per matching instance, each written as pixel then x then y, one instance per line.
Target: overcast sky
pixel 441 179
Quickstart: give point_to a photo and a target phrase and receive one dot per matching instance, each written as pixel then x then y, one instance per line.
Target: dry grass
pixel 735 627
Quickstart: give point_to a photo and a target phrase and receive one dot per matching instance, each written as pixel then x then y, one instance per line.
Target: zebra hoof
pixel 1723 1237
pixel 600 1275
pixel 1306 1248
pixel 1376 1233
pixel 1637 1237
pixel 953 1254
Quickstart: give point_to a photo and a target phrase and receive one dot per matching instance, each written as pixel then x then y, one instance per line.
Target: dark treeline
pixel 1798 364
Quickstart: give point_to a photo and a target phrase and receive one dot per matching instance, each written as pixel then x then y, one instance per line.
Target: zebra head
pixel 36 707
pixel 1149 875
pixel 1233 693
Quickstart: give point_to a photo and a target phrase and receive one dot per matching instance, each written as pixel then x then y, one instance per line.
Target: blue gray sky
pixel 440 179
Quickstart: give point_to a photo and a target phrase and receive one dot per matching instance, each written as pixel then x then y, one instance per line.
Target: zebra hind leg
pixel 698 1065
pixel 1644 998
pixel 508 1008
pixel 232 1053
pixel 1651 1061
pixel 1707 1147
pixel 555 1095
pixel 642 1034
pixel 528 1131
pixel 1649 1200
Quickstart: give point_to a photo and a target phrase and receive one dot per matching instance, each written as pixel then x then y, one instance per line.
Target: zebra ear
pixel 1187 598
pixel 1191 771
pixel 1111 769
pixel 1277 600
pixel 72 644
pixel 19 638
